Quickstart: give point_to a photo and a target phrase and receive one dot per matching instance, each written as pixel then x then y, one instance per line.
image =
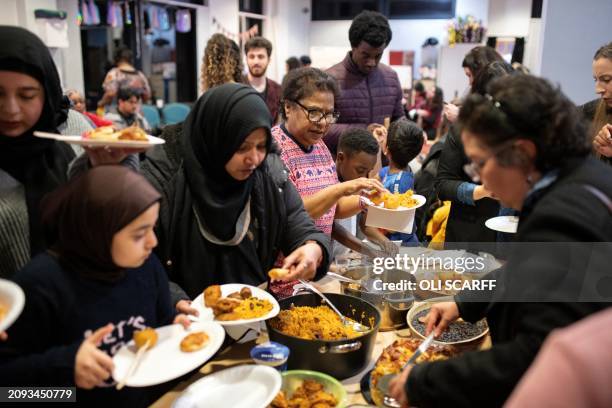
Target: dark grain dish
pixel 457 331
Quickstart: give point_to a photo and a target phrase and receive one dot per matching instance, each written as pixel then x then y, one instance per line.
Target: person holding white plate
pixel 96 285
pixel 532 150
pixel 228 208
pixel 30 100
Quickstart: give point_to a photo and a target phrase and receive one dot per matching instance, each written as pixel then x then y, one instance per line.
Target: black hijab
pixel 218 124
pixel 83 216
pixel 40 165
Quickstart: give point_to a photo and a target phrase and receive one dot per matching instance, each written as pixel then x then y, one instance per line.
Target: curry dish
pixel 311 394
pixel 312 323
pixel 397 354
pixel 235 306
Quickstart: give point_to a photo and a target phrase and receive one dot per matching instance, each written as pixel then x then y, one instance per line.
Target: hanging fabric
pixel 164 19
pixel 94 12
pixel 147 20
pixel 111 15
pixel 128 13
pixel 118 15
pixel 85 13
pixel 79 18
pixel 183 21
pixel 154 17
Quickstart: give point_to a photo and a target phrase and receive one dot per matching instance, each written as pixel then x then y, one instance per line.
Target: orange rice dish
pixel 253 307
pixel 313 323
pixel 238 305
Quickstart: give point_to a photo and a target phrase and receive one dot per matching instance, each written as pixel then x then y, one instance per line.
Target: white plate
pixel 12 297
pixel 504 223
pixel 79 140
pixel 245 386
pixel 206 313
pixel 166 361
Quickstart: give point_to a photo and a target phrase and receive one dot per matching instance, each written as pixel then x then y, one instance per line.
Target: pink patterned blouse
pixel 310 170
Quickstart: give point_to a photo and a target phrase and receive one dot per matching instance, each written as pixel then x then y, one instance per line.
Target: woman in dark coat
pixel 532 150
pixel 599 111
pixel 472 203
pixel 228 209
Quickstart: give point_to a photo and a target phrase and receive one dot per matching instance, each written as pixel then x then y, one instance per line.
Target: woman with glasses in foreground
pixel 532 151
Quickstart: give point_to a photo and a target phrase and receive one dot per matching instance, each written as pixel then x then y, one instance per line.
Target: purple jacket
pixel 364 99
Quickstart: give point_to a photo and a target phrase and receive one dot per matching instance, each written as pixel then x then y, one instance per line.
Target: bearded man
pixel 258 51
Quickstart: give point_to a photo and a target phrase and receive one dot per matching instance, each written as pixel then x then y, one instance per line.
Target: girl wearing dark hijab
pixel 31 99
pixel 30 167
pixel 227 209
pixel 87 295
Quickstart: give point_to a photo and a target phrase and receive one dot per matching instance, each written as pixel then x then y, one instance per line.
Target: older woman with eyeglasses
pixel 308 98
pixel 531 149
pixel 307 109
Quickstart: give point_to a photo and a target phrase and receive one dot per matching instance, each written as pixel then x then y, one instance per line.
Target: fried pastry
pixel 211 295
pixel 142 336
pixel 278 273
pixel 194 342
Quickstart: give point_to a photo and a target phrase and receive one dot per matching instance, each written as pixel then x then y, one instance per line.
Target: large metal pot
pixel 338 358
pixel 392 304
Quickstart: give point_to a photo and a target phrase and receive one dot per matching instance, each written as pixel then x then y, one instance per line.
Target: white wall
pixel 451 76
pixel 71 58
pixel 533 47
pixel 68 60
pixel 509 18
pixel 572 32
pixel 288 28
pixel 9 12
pixel 203 28
pixel 225 12
pixel 407 34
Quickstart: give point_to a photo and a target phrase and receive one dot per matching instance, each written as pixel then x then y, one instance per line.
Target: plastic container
pixel 271 354
pixel 293 379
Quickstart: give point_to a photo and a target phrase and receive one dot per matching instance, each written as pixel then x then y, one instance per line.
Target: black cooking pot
pixel 338 358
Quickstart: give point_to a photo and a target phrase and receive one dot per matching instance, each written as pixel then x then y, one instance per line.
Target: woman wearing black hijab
pixel 87 295
pixel 30 99
pixel 228 210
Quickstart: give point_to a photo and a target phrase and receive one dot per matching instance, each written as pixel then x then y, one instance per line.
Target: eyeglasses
pixel 474 168
pixel 315 115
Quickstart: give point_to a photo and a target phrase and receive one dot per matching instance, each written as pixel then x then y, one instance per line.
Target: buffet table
pixel 238 354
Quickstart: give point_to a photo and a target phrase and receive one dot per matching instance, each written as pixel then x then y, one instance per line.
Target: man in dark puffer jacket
pixel 369 91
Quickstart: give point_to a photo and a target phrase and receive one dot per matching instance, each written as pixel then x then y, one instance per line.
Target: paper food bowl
pixel 400 219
